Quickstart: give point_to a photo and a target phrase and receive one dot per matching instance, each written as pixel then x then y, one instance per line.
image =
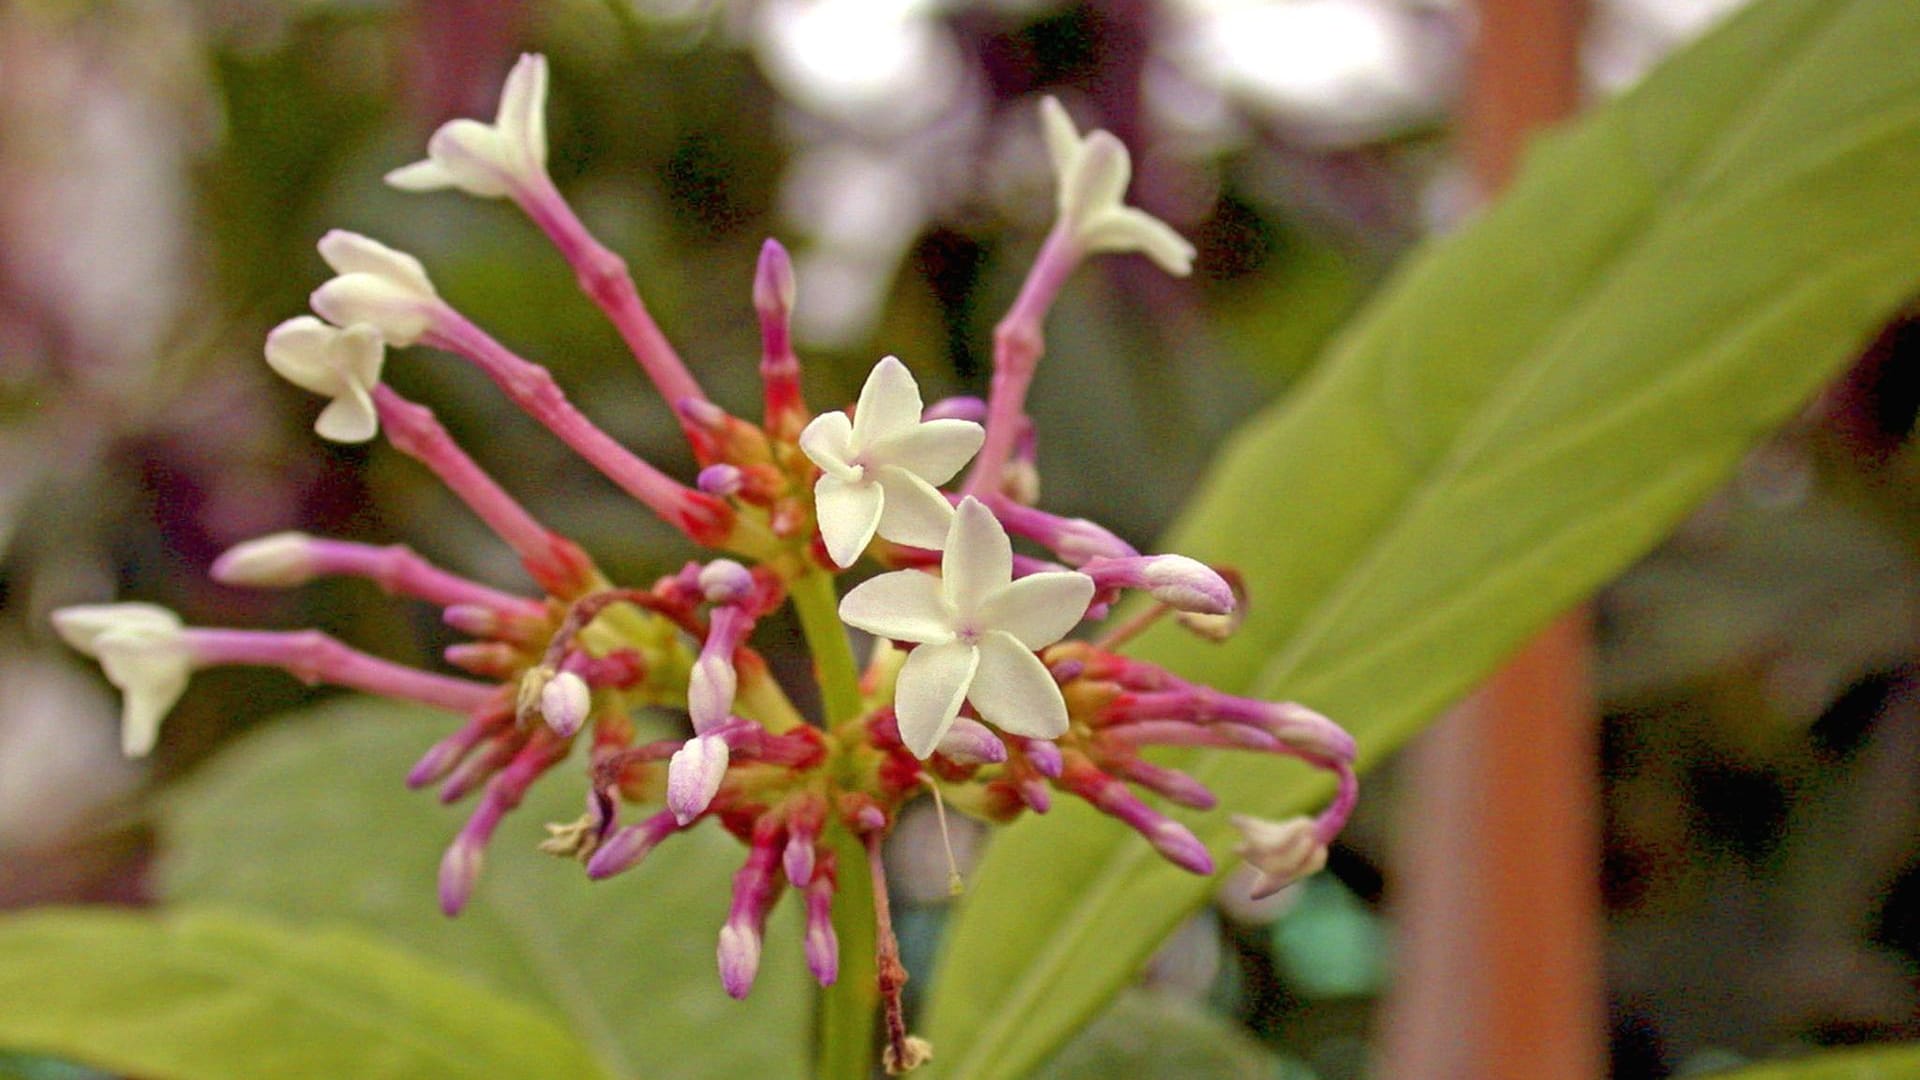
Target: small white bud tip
pixel 279 561
pixel 565 702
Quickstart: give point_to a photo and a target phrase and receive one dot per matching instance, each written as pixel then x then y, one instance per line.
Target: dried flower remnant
pixel 976 688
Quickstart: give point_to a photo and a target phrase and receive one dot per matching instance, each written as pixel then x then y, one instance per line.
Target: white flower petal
pixel 849 514
pixel 1063 139
pixel 933 683
pixel 359 353
pixel 827 440
pixel 905 605
pixel 478 159
pixel 1124 229
pixel 934 450
pixel 1039 609
pixel 912 512
pixel 1014 691
pixel 351 253
pixel 400 315
pixel 82 624
pixel 889 404
pixel 1099 179
pixel 349 418
pixel 298 351
pixel 978 558
pixel 143 650
pixel 522 117
pixel 428 175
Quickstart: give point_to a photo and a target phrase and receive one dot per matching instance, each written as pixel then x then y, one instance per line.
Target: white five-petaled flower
pixel 976 630
pixel 1093 172
pixel 343 365
pixel 882 466
pixel 143 650
pixel 386 289
pixel 489 160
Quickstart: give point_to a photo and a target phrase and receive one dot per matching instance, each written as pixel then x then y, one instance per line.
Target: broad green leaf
pixel 1865 1063
pixel 1154 1036
pixel 309 820
pixel 199 995
pixel 1529 406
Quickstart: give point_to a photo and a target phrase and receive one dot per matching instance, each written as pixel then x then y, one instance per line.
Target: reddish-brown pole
pixel 1497 888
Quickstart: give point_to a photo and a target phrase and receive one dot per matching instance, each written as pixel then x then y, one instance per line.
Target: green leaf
pixel 1866 1063
pixel 1155 1036
pixel 204 995
pixel 310 820
pixel 1529 406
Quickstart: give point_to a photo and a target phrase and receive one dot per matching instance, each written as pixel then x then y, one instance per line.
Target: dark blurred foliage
pixel 167 169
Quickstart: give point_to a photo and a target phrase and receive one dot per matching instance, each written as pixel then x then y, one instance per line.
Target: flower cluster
pixel 975 689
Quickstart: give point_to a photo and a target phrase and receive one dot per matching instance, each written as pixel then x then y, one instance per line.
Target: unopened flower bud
pixel 1181 847
pixel 710 691
pixel 739 956
pixel 1282 852
pixel 970 742
pixel 1187 585
pixel 459 870
pixel 724 581
pixel 279 561
pixel 720 480
pixel 476 620
pixel 694 776
pixel 774 289
pixel 565 702
pixel 823 945
pixel 1045 757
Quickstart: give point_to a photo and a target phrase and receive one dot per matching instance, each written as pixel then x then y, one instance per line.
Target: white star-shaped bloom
pixel 386 289
pixel 976 630
pixel 881 467
pixel 144 652
pixel 1093 172
pixel 492 160
pixel 343 365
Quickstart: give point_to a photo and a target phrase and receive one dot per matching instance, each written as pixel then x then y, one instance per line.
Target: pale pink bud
pixel 694 775
pixel 1187 585
pixel 739 956
pixel 710 691
pixel 798 859
pixel 724 581
pixel 971 742
pixel 823 945
pixel 1180 846
pixel 720 480
pixel 565 702
pixel 774 288
pixel 476 620
pixel 459 869
pixel 1045 757
pixel 625 849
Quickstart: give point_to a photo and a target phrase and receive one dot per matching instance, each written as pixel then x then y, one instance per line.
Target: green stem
pixel 819 610
pixel 846 1009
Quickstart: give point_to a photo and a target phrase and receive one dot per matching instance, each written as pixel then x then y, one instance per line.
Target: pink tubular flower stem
pixel 702 517
pixel 604 277
pixel 625 849
pixel 312 656
pixel 556 563
pixel 398 569
pixel 461 866
pixel 1017 345
pixel 1075 540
